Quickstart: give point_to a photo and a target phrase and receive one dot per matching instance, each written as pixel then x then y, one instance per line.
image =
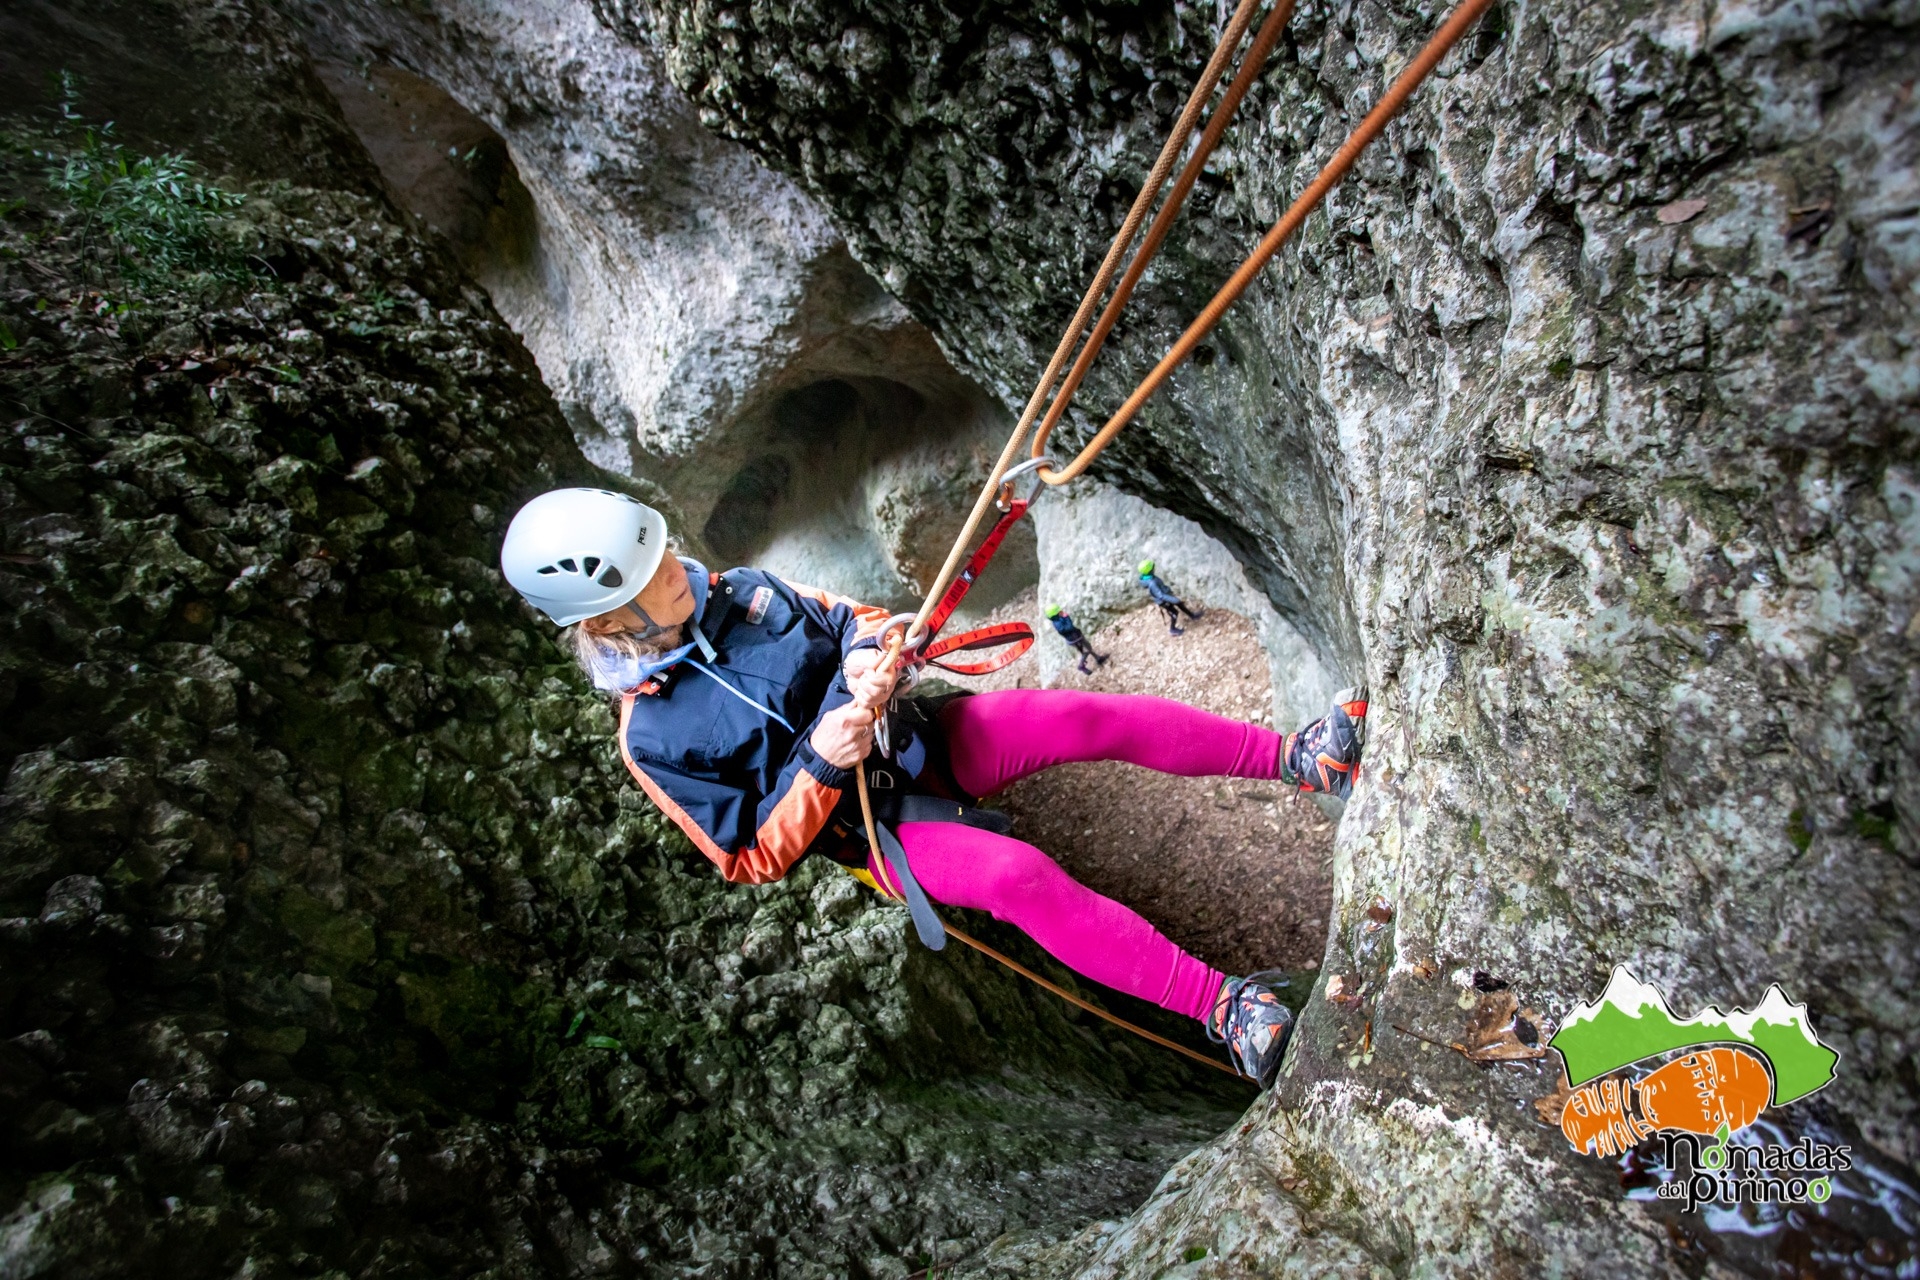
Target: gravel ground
pixel 1228 868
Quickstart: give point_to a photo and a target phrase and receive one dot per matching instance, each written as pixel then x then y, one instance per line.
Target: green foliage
pixel 1875 824
pixel 1798 831
pixel 155 215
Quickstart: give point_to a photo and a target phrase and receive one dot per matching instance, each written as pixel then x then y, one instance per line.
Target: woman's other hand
pixel 844 735
pixel 870 685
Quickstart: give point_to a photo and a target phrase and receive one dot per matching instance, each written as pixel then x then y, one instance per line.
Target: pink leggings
pixel 998 738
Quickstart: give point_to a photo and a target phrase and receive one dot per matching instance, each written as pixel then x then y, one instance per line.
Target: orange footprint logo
pixel 1695 1094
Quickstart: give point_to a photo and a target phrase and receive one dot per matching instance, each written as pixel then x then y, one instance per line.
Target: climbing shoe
pixel 1324 757
pixel 1250 1020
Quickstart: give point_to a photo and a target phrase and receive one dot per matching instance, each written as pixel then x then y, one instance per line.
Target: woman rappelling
pixel 747 703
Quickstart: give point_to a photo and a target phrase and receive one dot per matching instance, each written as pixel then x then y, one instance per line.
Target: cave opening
pixel 858 484
pixel 448 167
pixel 744 517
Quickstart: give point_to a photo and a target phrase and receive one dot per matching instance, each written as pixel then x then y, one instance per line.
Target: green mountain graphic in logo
pixel 1631 1021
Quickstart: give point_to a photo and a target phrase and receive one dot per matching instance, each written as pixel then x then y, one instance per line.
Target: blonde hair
pixel 601 653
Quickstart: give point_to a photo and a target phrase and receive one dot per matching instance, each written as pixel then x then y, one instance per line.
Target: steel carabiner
pixel 1004 499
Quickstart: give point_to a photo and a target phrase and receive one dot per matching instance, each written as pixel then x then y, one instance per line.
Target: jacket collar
pixel 617 673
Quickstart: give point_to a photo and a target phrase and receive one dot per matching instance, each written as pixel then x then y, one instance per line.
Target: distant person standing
pixel 1170 604
pixel 1063 623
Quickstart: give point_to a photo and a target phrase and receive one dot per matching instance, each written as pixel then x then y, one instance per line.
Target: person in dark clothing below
pixel 1170 604
pixel 1063 623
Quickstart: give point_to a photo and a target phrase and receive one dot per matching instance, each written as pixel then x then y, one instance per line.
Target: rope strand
pixel 1343 160
pixel 1370 128
pixel 1256 61
pixel 1176 140
pixel 1094 1009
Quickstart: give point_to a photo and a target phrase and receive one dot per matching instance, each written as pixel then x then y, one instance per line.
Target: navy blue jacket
pixel 722 745
pixel 1063 623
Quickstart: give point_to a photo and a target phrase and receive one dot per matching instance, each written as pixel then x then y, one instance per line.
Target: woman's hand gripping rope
pixel 845 735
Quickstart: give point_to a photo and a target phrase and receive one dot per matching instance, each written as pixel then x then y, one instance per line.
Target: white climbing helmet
pixel 574 553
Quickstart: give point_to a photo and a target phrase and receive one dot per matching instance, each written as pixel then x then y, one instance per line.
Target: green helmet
pixel 1146 567
pixel 1053 611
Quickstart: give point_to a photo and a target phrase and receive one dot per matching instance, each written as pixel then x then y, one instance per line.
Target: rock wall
pixel 696 313
pixel 1579 421
pixel 335 941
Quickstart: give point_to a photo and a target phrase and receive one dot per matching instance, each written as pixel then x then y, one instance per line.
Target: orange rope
pixel 1182 129
pixel 1343 160
pixel 1156 235
pixel 1094 1009
pixel 1370 128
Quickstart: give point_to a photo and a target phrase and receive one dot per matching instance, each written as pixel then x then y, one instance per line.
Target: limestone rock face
pixel 333 938
pixel 696 313
pixel 1579 422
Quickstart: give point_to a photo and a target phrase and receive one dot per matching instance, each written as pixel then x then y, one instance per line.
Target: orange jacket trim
pixel 868 618
pixel 779 843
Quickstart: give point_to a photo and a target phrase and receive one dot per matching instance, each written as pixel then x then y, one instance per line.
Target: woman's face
pixel 666 601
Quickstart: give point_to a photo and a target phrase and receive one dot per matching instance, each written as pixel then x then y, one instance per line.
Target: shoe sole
pixel 1336 778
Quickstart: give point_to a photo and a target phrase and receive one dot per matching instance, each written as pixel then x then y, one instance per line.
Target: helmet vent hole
pixel 611 578
pixel 549 569
pixel 593 565
pixel 569 566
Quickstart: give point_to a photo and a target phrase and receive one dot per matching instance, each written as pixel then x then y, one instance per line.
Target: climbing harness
pixel 917 637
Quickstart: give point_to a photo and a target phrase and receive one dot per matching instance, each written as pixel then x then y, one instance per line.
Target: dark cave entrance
pixel 445 165
pixel 859 484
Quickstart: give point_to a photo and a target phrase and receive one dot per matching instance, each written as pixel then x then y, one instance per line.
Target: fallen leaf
pixel 1810 221
pixel 1380 912
pixel 1484 981
pixel 1681 211
pixel 1424 969
pixel 1493 1033
pixel 1341 991
pixel 1554 1105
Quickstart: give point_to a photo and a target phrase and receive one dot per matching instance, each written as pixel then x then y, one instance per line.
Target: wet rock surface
pixel 1579 422
pixel 335 940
